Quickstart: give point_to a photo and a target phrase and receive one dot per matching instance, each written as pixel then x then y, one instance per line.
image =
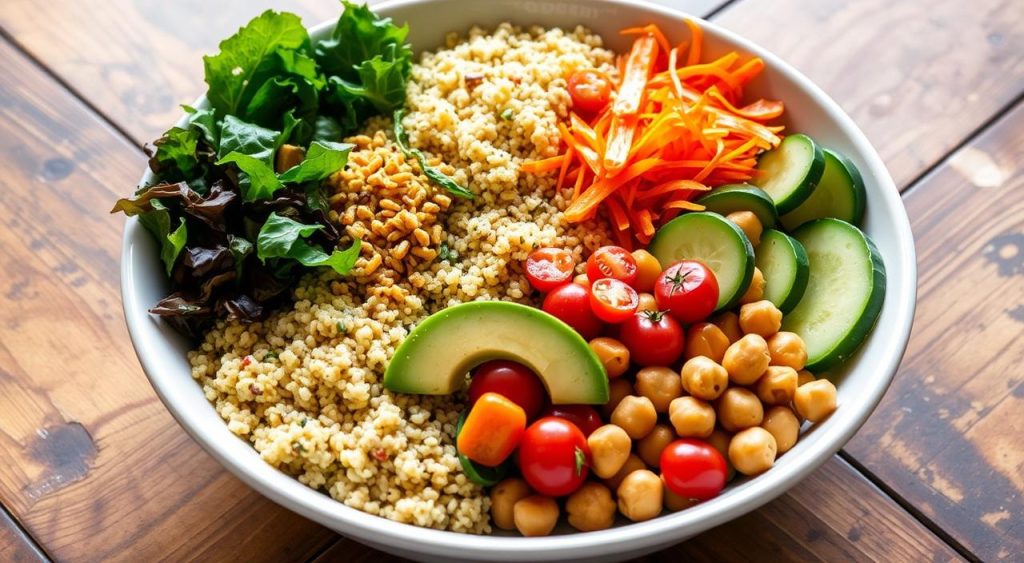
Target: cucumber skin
pixel 768 218
pixel 803 273
pixel 809 181
pixel 869 316
pixel 859 195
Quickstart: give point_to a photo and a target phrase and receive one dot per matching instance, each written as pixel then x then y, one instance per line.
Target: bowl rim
pixel 746 497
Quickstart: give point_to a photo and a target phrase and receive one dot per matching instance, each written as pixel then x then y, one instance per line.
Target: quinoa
pixel 304 387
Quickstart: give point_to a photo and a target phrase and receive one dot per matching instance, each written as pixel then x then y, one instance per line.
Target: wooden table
pixel 95 469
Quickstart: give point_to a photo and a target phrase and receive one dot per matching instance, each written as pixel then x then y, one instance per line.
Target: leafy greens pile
pixel 235 232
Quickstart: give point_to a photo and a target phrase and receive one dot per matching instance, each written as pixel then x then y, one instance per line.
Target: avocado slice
pixel 437 355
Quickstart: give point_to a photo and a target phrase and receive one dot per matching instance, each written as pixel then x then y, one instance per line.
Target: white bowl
pixel 862 381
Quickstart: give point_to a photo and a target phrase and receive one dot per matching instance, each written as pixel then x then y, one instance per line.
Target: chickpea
pixel 636 415
pixel 746 359
pixel 729 323
pixel 591 507
pixel 719 439
pixel 755 291
pixel 777 386
pixel 647 303
pixel 648 268
pixel 504 496
pixel 640 495
pixel 634 463
pixel 609 450
pixel 749 223
pixel 738 408
pixel 674 502
pixel 752 451
pixel 618 389
pixel 613 354
pixel 760 317
pixel 804 376
pixel 582 279
pixel 660 385
pixel 691 417
pixel 815 400
pixel 705 339
pixel 782 424
pixel 649 448
pixel 703 378
pixel 787 349
pixel 535 515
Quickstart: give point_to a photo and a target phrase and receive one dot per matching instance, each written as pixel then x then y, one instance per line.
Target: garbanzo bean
pixel 613 354
pixel 729 323
pixel 634 463
pixel 650 446
pixel 674 502
pixel 591 507
pixel 787 349
pixel 719 439
pixel 752 451
pixel 647 303
pixel 746 359
pixel 815 400
pixel 749 223
pixel 535 515
pixel 755 291
pixel 635 415
pixel 640 495
pixel 660 385
pixel 782 424
pixel 581 279
pixel 504 496
pixel 691 417
pixel 617 390
pixel 804 376
pixel 703 378
pixel 738 408
pixel 609 450
pixel 777 386
pixel 648 268
pixel 760 317
pixel 705 339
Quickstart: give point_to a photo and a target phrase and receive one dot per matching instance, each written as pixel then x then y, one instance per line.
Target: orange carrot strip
pixel 696 38
pixel 683 204
pixel 543 165
pixel 600 190
pixel 651 29
pixel 492 430
pixel 635 75
pixel 672 186
pixel 618 214
pixel 748 71
pixel 673 70
pixel 569 154
pixel 577 188
pixel 620 138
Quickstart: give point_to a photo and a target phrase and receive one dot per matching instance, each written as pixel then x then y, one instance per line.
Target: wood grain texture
pixel 93 465
pixel 948 435
pixel 15 545
pixel 917 76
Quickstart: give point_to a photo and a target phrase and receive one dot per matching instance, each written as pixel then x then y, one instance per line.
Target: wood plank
pixel 94 466
pixel 917 76
pixel 947 436
pixel 15 545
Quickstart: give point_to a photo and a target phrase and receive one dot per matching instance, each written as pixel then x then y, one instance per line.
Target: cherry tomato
pixel 653 338
pixel 688 290
pixel 585 417
pixel 693 469
pixel 612 262
pixel 548 268
pixel 612 300
pixel 590 90
pixel 554 457
pixel 511 380
pixel 570 303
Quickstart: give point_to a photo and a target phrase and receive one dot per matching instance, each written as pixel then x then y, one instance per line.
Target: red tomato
pixel 570 303
pixel 613 301
pixel 585 417
pixel 590 90
pixel 612 262
pixel 553 456
pixel 511 380
pixel 653 338
pixel 548 268
pixel 688 290
pixel 693 469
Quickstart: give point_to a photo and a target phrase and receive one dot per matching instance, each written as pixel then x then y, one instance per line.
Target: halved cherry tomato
pixel 693 469
pixel 613 301
pixel 585 417
pixel 688 290
pixel 612 262
pixel 548 268
pixel 512 380
pixel 590 90
pixel 653 338
pixel 553 456
pixel 570 303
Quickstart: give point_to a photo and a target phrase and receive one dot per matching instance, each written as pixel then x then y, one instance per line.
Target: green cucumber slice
pixel 479 474
pixel 741 197
pixel 715 241
pixel 783 262
pixel 840 194
pixel 844 293
pixel 789 172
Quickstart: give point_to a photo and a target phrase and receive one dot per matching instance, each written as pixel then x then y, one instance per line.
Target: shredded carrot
pixel 545 165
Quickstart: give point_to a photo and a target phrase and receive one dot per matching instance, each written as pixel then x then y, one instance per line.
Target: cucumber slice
pixel 479 474
pixel 783 261
pixel 840 194
pixel 741 197
pixel 789 172
pixel 844 292
pixel 715 241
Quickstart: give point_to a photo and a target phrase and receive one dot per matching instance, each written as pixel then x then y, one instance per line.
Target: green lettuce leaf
pixel 175 157
pixel 206 122
pixel 361 35
pixel 262 182
pixel 158 223
pixel 248 139
pixel 381 83
pixel 322 159
pixel 281 237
